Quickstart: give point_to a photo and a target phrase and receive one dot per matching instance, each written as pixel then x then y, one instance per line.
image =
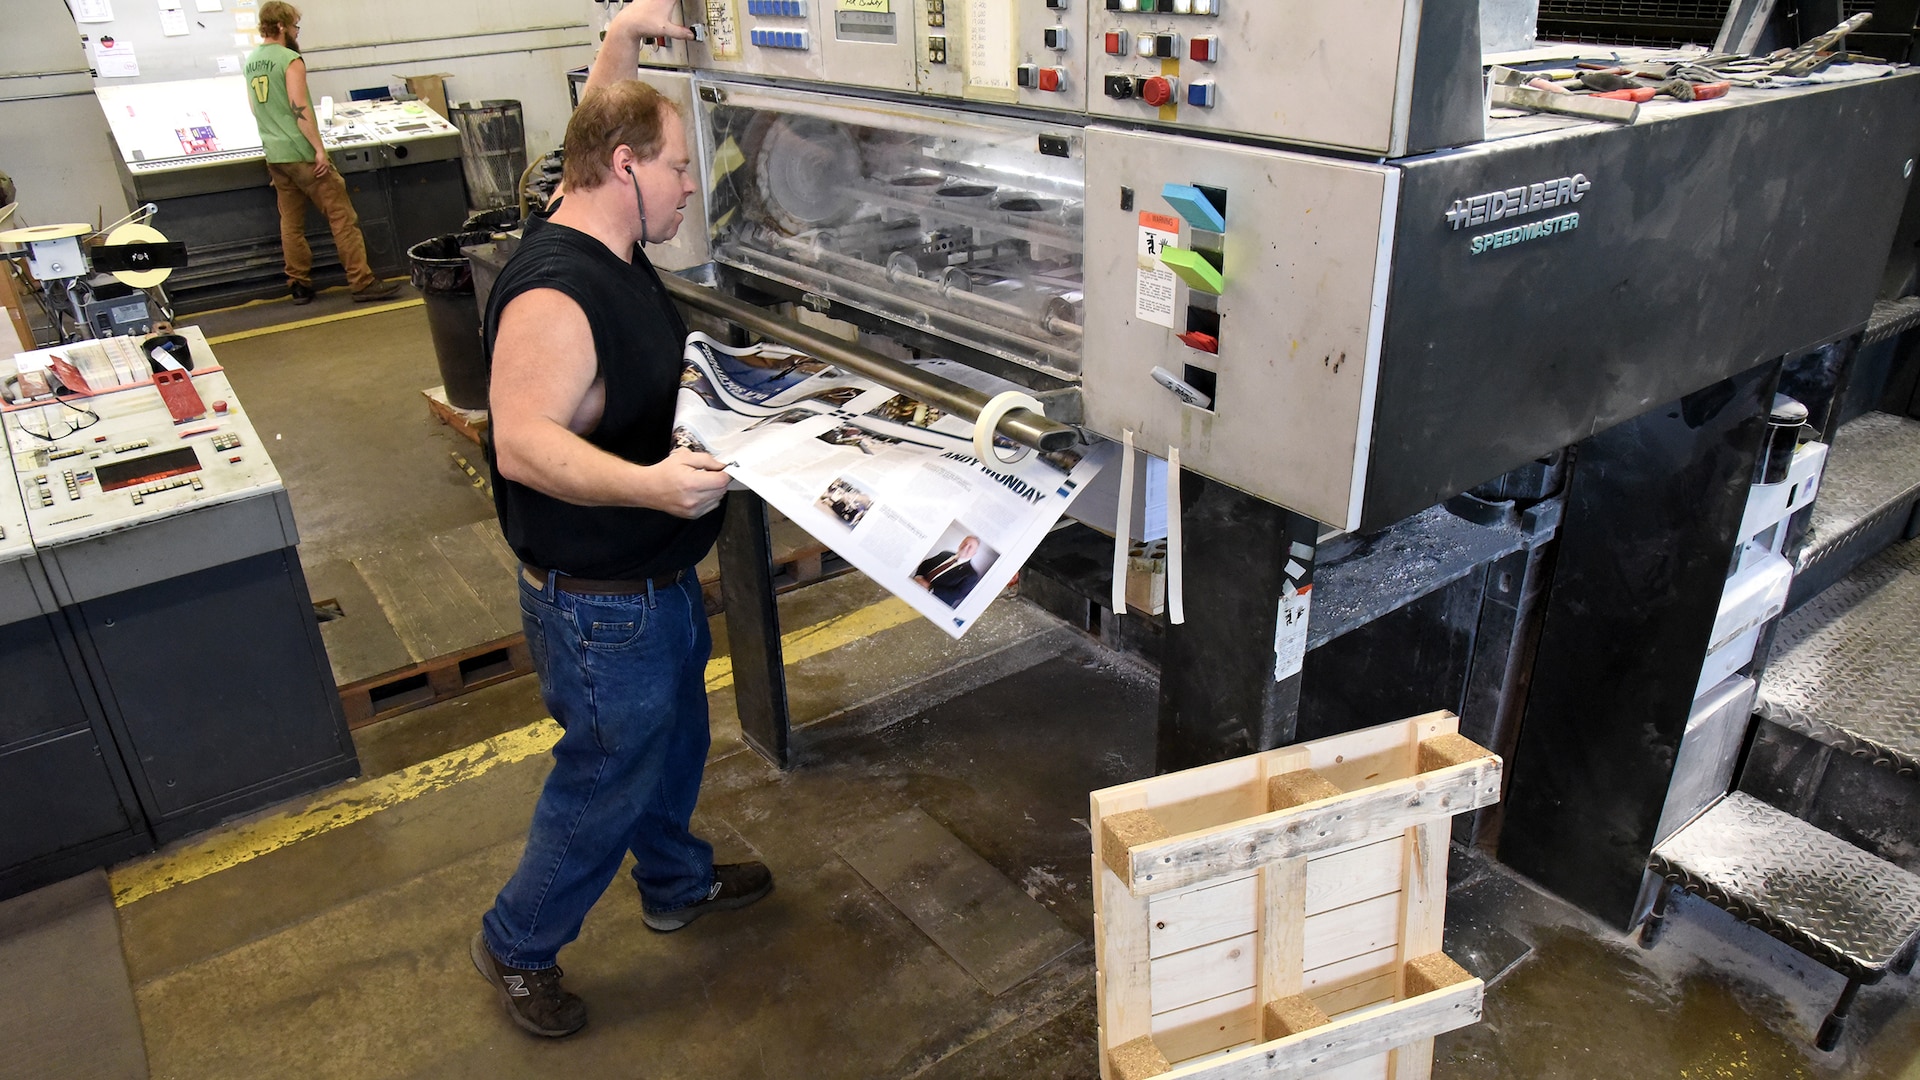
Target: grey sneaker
pixel 735 885
pixel 534 998
pixel 379 290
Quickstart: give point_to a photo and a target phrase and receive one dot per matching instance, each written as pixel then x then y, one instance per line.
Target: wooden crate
pixel 471 423
pixel 1280 914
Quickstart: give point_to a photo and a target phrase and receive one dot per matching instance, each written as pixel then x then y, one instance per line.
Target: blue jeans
pixel 625 677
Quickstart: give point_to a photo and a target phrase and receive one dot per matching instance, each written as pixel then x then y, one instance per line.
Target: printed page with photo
pixel 888 482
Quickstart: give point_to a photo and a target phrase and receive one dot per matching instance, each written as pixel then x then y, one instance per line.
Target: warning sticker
pixel 1290 632
pixel 1153 283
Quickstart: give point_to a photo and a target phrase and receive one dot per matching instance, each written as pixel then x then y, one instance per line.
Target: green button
pixel 1193 269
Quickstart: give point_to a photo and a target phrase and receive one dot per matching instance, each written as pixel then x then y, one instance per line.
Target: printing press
pixel 400 160
pixel 1436 377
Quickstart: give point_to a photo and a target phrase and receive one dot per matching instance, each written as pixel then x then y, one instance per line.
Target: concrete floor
pixel 344 955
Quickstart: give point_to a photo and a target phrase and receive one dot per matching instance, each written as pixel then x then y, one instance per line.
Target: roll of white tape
pixel 990 415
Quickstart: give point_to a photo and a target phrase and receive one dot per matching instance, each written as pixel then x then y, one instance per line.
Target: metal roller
pixel 1021 425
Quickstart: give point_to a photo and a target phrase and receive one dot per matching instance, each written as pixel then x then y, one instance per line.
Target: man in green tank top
pixel 297 159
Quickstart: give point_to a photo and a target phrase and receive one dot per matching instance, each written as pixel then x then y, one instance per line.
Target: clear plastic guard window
pixel 954 223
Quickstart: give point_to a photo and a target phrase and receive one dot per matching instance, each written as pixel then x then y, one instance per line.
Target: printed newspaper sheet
pixel 889 483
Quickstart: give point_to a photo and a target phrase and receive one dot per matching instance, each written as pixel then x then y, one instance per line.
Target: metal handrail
pixel 1021 425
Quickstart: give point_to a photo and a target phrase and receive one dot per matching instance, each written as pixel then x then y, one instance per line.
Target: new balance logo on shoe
pixel 533 997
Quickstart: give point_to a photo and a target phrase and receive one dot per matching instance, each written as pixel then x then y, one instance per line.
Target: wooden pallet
pixel 430 620
pixel 471 423
pixel 1280 914
pixel 438 679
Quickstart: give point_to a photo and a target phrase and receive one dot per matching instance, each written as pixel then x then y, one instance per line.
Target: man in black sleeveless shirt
pixel 608 521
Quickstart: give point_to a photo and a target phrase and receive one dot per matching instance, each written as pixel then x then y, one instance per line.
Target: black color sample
pixel 1653 507
pixel 753 627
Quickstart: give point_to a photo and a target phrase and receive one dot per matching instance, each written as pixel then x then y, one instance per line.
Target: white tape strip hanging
pixel 1123 525
pixel 1176 579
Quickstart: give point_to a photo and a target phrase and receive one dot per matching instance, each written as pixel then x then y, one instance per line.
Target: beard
pixel 290 39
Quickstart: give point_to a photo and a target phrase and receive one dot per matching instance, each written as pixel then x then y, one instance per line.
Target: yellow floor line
pixel 823 637
pixel 362 799
pixel 318 320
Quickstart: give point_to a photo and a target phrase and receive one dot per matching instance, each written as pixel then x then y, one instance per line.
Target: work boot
pixel 735 885
pixel 302 292
pixel 379 290
pixel 534 998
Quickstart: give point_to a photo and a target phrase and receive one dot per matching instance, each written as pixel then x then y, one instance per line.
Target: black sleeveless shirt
pixel 637 341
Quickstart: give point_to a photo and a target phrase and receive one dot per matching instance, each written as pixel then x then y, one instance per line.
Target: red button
pixel 220 406
pixel 1158 90
pixel 1116 43
pixel 1051 79
pixel 1204 49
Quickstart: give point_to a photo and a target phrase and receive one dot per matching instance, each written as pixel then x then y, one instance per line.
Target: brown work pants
pixel 297 186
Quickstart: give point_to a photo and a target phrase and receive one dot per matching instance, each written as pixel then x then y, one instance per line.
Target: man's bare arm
pixel 302 102
pixel 543 397
pixel 619 54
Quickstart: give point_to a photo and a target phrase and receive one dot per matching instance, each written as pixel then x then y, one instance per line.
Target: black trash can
pixel 440 270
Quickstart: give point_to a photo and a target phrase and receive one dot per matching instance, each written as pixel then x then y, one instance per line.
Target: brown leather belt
pixel 537 578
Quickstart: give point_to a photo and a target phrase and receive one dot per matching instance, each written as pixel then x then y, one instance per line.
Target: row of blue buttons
pixel 779 39
pixel 788 9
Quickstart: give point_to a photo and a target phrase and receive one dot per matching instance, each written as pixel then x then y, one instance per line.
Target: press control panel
pixel 15 542
pixel 1300 71
pixel 88 465
pixel 781 38
pixel 1241 328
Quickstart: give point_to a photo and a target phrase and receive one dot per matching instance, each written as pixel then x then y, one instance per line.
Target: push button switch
pixel 1120 87
pixel 1159 90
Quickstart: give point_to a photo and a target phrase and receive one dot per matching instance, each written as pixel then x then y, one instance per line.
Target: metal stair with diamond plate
pixel 1820 845
pixel 1834 903
pixel 1838 739
pixel 1867 501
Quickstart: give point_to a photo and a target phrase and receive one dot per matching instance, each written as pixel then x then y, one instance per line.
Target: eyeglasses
pixel 87 418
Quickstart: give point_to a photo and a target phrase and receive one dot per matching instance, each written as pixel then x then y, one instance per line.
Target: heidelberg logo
pixel 1513 202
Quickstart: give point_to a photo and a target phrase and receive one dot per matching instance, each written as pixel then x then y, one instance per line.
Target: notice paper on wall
pixel 93 11
pixel 890 483
pixel 227 63
pixel 206 5
pixel 723 33
pixel 173 23
pixel 113 58
pixel 246 21
pixel 990 42
pixel 1153 290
